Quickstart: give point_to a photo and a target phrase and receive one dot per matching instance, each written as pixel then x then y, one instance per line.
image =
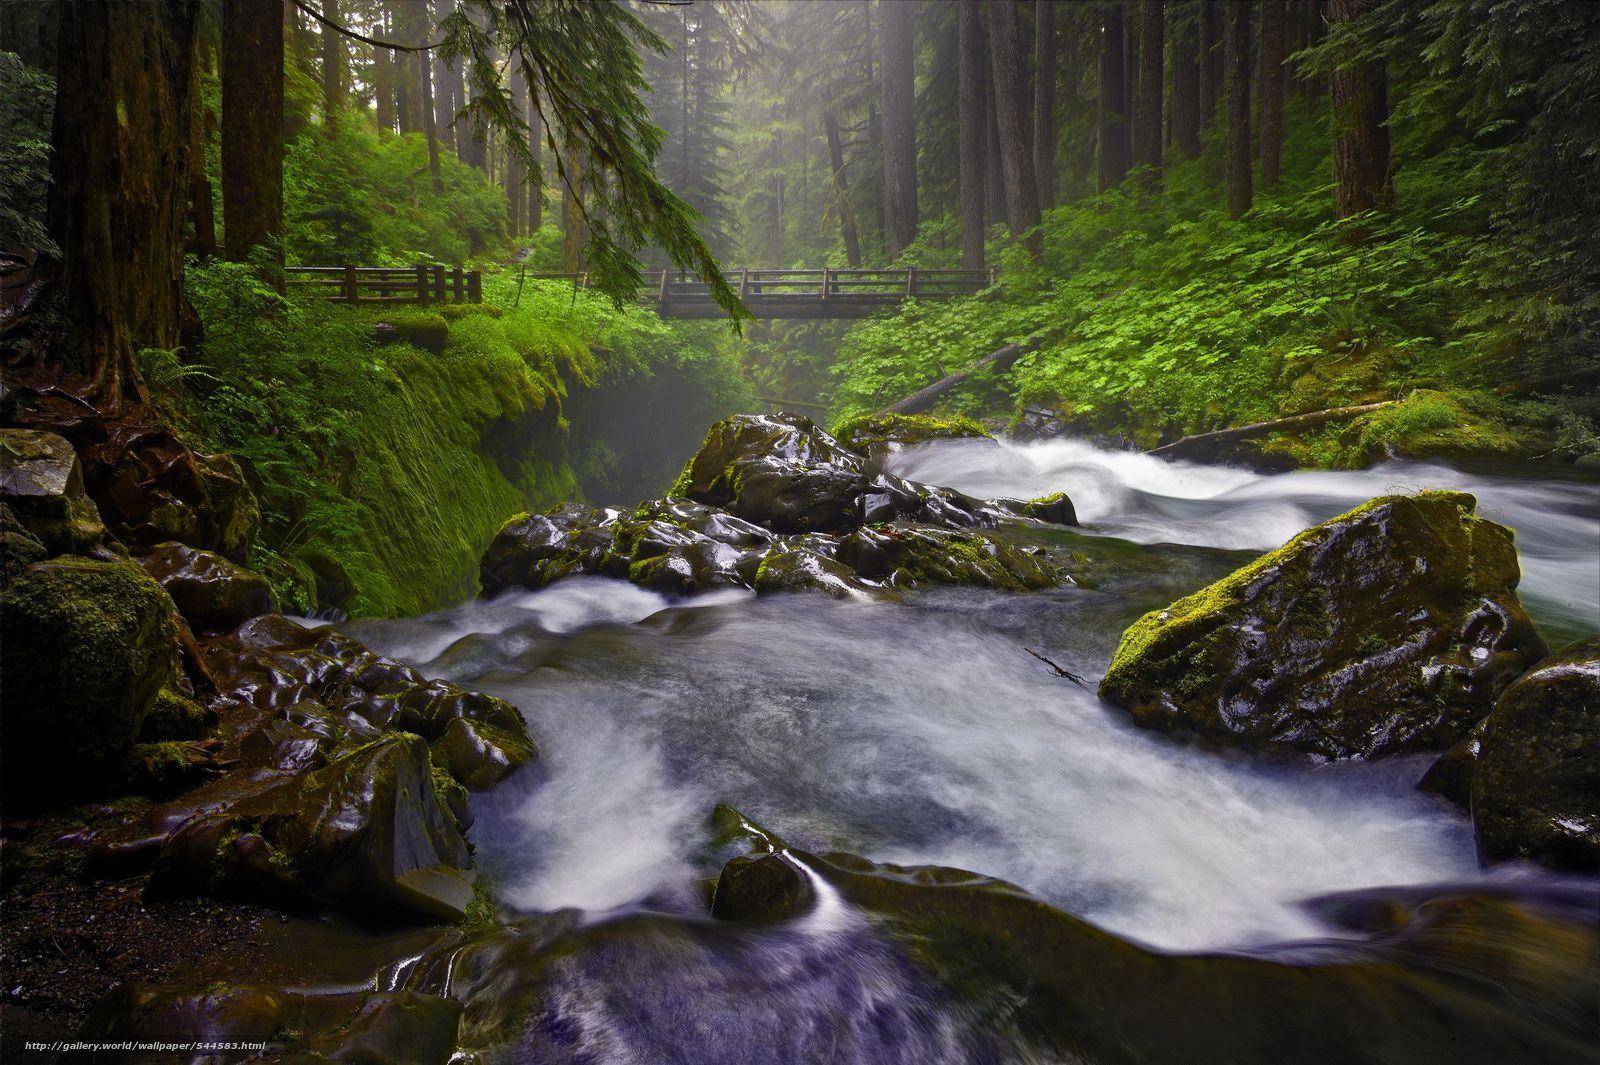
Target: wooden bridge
pixel 423 283
pixel 824 293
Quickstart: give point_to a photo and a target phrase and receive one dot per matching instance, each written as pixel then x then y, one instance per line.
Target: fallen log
pixel 1000 359
pixel 1294 421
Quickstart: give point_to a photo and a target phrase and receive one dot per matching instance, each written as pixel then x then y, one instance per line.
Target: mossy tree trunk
pixel 1270 78
pixel 1111 112
pixel 252 128
pixel 1022 185
pixel 1360 127
pixel 1236 43
pixel 122 136
pixel 974 131
pixel 1152 85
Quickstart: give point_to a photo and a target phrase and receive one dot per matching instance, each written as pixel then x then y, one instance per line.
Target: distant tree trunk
pixel 516 187
pixel 1130 79
pixel 383 88
pixel 841 188
pixel 536 180
pixel 1111 109
pixel 1206 26
pixel 1022 184
pixel 1044 99
pixel 333 75
pixel 1315 28
pixel 571 216
pixel 202 128
pixel 116 211
pixel 447 87
pixel 899 126
pixel 430 126
pixel 994 183
pixel 1270 78
pixel 1186 90
pixel 974 129
pixel 1361 180
pixel 1152 82
pixel 1237 44
pixel 252 134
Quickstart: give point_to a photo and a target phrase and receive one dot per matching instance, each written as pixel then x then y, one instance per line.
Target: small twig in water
pixel 1057 670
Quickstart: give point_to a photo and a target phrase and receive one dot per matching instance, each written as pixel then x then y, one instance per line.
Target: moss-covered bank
pixel 384 467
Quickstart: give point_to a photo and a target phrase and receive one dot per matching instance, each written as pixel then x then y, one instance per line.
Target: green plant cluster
pixel 383 469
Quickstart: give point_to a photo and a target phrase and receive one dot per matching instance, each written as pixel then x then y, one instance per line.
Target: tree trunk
pixel 202 207
pixel 572 230
pixel 1315 28
pixel 1186 91
pixel 974 130
pixel 516 187
pixel 899 126
pixel 536 180
pixel 1236 43
pixel 448 88
pixel 333 75
pixel 994 178
pixel 252 134
pixel 430 126
pixel 1270 78
pixel 1361 180
pixel 383 88
pixel 1022 184
pixel 1111 109
pixel 116 212
pixel 1044 99
pixel 1152 82
pixel 1206 19
pixel 1130 81
pixel 841 189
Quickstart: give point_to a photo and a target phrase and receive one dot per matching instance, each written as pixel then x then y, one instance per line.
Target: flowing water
pixel 923 732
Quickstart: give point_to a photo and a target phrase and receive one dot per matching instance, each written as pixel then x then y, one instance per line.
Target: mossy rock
pixel 420 329
pixel 1536 785
pixel 212 593
pixel 1390 628
pixel 88 647
pixel 41 481
pixel 876 435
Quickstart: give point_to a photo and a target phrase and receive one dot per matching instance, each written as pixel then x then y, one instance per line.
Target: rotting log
pixel 1000 359
pixel 1241 432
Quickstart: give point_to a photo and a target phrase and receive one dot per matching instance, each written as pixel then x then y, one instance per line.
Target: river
pixel 923 732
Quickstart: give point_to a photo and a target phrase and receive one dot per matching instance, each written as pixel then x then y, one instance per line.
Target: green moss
pixel 865 431
pixel 482 911
pixel 1427 422
pixel 1049 500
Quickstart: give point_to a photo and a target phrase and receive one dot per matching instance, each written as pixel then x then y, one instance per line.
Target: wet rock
pixel 780 471
pixel 41 482
pixel 532 550
pixel 1450 776
pixel 797 565
pixel 367 833
pixel 939 556
pixel 86 648
pixel 480 754
pixel 1387 629
pixel 876 436
pixel 19 548
pixel 766 887
pixel 213 594
pixel 1536 789
pixel 1055 508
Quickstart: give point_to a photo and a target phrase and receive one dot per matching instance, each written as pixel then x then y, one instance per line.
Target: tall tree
pixel 841 189
pixel 252 116
pixel 1206 19
pixel 1022 185
pixel 516 178
pixel 333 68
pixel 994 182
pixel 112 209
pixel 1044 99
pixel 974 129
pixel 1111 108
pixel 1361 179
pixel 899 126
pixel 383 65
pixel 1270 79
pixel 1152 82
pixel 447 87
pixel 202 131
pixel 1186 87
pixel 1236 45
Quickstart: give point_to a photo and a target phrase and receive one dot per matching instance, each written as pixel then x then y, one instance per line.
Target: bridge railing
pixel 423 283
pixel 825 283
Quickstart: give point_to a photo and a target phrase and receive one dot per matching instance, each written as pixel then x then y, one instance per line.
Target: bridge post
pixel 662 296
pixel 349 283
pixel 911 281
pixel 824 284
pixel 474 287
pixel 438 284
pixel 422 284
pixel 456 283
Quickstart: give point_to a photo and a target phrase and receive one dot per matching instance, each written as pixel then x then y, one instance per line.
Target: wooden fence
pixel 389 284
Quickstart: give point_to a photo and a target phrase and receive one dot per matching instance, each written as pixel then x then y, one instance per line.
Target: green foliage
pixel 1160 316
pixel 27 97
pixel 361 196
pixel 383 469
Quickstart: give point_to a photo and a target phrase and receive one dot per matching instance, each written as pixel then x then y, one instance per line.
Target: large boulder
pixel 1536 786
pixel 877 436
pixel 42 482
pixel 212 593
pixel 780 471
pixel 1390 628
pixel 86 649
